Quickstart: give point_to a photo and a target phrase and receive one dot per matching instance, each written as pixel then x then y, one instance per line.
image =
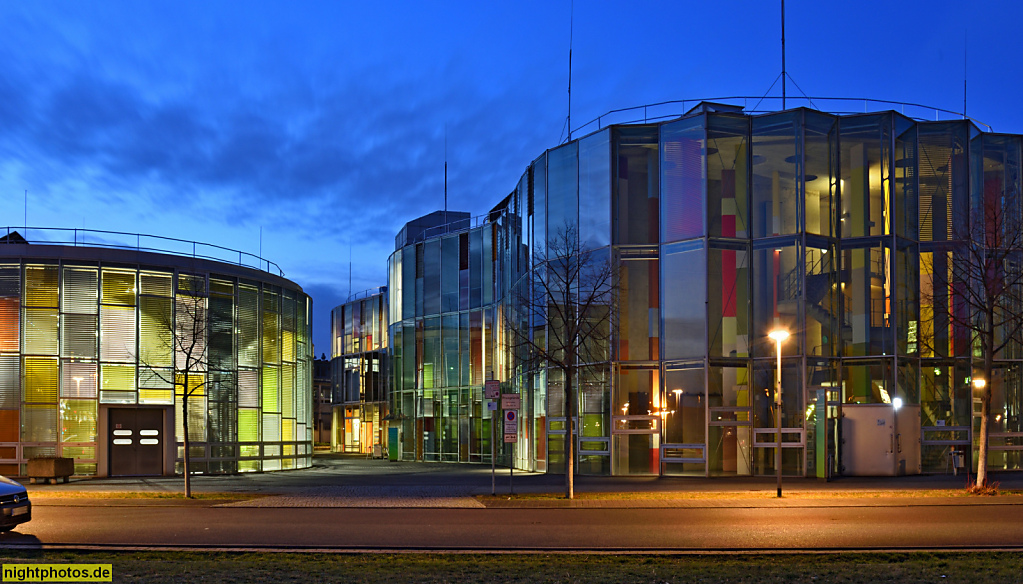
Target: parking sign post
pixel 492 391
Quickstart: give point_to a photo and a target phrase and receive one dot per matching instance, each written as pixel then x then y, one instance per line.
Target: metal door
pixel 136 442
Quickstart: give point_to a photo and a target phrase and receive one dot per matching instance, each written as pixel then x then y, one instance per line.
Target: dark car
pixel 14 505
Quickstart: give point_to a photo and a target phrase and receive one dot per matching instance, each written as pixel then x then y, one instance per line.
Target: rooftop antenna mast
pixel 445 174
pixel 571 26
pixel 965 64
pixel 783 74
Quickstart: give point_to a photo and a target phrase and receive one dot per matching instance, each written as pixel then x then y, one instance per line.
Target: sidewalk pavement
pixel 347 481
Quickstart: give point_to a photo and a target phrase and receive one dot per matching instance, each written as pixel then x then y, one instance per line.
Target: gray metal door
pixel 136 442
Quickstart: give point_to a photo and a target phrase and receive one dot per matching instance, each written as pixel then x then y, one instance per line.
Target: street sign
pixel 511 401
pixel 511 422
pixel 492 406
pixel 492 390
pixel 511 438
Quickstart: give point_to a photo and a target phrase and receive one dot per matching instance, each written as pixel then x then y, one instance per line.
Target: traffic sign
pixel 511 401
pixel 492 390
pixel 511 422
pixel 492 406
pixel 511 438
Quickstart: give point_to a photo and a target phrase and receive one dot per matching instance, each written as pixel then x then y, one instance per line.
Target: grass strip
pixel 872 568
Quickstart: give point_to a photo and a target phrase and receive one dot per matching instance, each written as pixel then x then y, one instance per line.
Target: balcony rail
pixel 664 110
pixel 140 242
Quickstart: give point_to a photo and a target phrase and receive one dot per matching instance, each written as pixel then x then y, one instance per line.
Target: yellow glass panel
pixel 117 377
pixel 271 338
pixel 118 288
pixel 248 426
pixel 288 350
pixel 196 384
pixel 288 390
pixel 287 432
pixel 41 286
pixel 270 390
pixel 78 420
pixel 40 380
pixel 156 396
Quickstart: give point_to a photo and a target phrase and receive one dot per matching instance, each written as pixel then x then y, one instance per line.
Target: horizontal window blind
pixel 117 377
pixel 248 425
pixel 38 424
pixel 248 388
pixel 271 401
pixel 81 290
pixel 118 288
pixel 10 325
pixel 155 284
pixel 40 379
pixel 41 286
pixel 78 380
pixel 117 333
pixel 10 280
pixel 78 335
pixel 10 382
pixel 41 331
pixel 156 340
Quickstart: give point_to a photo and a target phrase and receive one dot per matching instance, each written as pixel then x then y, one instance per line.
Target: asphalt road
pixel 857 527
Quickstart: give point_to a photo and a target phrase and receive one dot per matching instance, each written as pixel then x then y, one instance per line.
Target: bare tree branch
pixel 565 297
pixel 980 294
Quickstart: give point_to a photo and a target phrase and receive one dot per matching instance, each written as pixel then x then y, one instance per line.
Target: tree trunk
pixel 985 410
pixel 184 423
pixel 570 402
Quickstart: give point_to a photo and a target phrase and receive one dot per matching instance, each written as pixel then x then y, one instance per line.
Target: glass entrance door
pixel 730 441
pixel 684 439
pixel 636 421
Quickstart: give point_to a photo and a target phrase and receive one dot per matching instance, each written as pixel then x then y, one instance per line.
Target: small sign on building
pixel 511 401
pixel 492 390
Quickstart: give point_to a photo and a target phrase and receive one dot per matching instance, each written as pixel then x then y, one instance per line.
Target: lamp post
pixel 778 336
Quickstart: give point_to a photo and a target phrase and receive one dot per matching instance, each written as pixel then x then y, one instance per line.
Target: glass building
pixel 359 361
pixel 89 368
pixel 722 226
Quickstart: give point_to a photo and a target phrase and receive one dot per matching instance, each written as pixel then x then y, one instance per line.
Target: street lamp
pixel 778 336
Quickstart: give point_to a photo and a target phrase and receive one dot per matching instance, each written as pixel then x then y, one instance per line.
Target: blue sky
pixel 323 124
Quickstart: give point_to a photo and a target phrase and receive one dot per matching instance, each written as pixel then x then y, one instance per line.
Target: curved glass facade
pixel 723 226
pixel 90 368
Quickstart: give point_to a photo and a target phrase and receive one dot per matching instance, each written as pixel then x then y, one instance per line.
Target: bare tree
pixel 562 318
pixel 980 292
pixel 184 328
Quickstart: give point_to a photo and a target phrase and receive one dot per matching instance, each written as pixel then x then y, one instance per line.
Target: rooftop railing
pixel 366 293
pixel 139 242
pixel 664 110
pixel 456 226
